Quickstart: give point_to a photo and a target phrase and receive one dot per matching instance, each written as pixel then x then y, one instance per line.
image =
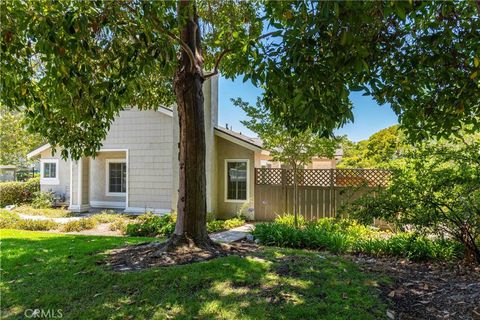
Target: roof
pixel 254 144
pixel 39 150
pixel 6 167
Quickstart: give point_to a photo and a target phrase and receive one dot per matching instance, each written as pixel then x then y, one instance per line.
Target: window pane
pixel 49 170
pixel 237 180
pixel 117 177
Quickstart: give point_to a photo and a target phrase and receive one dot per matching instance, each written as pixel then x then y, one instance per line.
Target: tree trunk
pixel 190 228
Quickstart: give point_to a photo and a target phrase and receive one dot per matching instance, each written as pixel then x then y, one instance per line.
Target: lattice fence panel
pixel 269 176
pixel 361 177
pixel 322 177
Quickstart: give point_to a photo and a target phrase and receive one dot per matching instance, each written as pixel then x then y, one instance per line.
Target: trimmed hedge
pixel 17 193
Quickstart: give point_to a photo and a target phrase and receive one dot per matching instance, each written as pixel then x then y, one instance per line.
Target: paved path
pixel 227 236
pixel 232 235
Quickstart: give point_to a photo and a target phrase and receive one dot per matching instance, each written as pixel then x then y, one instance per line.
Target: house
pixel 7 172
pixel 136 169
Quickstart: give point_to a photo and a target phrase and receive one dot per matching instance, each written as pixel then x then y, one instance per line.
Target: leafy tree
pixel 436 188
pixel 72 65
pixel 377 151
pixel 15 140
pixel 287 146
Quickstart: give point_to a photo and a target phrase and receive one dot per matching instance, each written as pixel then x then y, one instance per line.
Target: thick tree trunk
pixel 191 210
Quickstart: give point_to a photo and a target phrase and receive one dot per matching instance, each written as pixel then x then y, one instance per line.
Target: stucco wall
pixel 63 174
pixel 98 172
pixel 229 150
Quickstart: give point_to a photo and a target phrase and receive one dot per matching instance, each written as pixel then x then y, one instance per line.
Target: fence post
pixel 333 202
pixel 285 191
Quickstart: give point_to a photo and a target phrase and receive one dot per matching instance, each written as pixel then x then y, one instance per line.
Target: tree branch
pixel 217 63
pixel 174 37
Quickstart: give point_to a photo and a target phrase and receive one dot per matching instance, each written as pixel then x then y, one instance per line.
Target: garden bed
pixel 427 290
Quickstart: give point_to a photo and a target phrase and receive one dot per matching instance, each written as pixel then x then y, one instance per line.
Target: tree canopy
pixel 377 151
pixel 15 140
pixel 292 148
pixel 73 65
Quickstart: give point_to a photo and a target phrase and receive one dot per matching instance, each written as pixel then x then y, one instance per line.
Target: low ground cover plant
pixel 348 236
pixel 47 212
pixel 11 220
pixel 79 225
pixel 150 225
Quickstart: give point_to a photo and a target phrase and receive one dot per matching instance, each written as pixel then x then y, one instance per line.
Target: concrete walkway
pixel 232 235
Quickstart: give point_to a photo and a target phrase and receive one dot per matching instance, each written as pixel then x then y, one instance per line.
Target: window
pixel 236 180
pixel 49 171
pixel 116 177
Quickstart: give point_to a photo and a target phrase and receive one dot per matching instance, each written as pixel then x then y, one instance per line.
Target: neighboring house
pixel 7 172
pixel 137 167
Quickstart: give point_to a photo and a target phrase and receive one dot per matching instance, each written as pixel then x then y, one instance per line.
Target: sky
pixel 369 117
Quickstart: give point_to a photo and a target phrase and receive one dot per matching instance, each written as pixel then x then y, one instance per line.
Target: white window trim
pixel 49 181
pixel 107 177
pixel 226 180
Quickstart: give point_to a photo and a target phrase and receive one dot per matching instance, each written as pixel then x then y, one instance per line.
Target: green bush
pixel 17 193
pixel 220 225
pixel 119 225
pixel 289 220
pixel 42 200
pixel 150 225
pixel 343 235
pixel 79 225
pixel 37 225
pixel 11 220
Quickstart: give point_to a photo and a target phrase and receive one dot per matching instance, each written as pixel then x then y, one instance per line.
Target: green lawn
pixel 53 271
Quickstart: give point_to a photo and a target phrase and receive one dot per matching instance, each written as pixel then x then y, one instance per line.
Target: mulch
pixel 152 254
pixel 427 290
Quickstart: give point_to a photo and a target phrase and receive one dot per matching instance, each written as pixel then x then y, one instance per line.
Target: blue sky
pixel 369 116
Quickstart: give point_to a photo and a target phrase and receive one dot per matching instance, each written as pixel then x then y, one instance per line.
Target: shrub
pixel 37 225
pixel 150 225
pixel 17 193
pixel 289 220
pixel 119 224
pixel 79 225
pixel 220 225
pixel 343 235
pixel 42 200
pixel 434 189
pixel 107 217
pixel 11 220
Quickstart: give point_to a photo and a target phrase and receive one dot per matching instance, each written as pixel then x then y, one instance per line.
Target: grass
pixel 54 271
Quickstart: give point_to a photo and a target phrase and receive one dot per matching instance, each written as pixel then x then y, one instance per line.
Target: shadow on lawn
pixel 62 272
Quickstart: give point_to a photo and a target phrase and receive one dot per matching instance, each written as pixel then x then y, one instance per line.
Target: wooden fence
pixel 321 192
